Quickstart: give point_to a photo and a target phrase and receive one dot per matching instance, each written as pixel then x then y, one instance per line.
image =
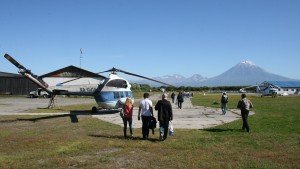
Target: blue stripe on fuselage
pixel 111 96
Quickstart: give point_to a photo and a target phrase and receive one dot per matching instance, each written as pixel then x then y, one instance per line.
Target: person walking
pixel 224 101
pixel 164 115
pixel 145 111
pixel 245 105
pixel 173 97
pixel 180 100
pixel 127 118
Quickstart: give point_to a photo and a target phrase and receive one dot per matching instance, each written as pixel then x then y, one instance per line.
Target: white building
pixel 288 87
pixel 73 79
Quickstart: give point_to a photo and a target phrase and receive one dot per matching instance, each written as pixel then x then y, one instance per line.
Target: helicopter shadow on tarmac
pixel 73 115
pixel 122 137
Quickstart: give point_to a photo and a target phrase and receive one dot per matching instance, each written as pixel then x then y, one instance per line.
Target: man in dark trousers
pixel 146 112
pixel 164 115
pixel 173 97
pixel 180 100
pixel 224 101
pixel 245 105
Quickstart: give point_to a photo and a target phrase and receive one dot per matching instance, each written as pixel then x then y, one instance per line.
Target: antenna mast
pixel 80 57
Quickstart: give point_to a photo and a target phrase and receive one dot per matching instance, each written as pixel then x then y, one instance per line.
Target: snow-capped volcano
pixel 248 62
pixel 242 74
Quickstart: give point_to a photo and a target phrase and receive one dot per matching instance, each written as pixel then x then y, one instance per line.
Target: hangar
pixel 289 87
pixel 15 84
pixel 70 73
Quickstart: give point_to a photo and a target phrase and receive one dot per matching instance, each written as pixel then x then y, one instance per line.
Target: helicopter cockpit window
pixel 117 83
pixel 116 95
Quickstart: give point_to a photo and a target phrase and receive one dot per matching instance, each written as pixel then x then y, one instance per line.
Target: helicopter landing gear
pixel 94 110
pixel 52 101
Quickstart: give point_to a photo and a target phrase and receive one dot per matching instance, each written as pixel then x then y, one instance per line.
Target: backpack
pixel 245 104
pixel 224 99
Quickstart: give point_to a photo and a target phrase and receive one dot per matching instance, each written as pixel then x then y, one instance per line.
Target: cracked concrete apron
pixel 189 117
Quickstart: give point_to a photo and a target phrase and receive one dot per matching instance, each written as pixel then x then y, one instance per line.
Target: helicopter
pixel 243 90
pixel 110 93
pixel 266 90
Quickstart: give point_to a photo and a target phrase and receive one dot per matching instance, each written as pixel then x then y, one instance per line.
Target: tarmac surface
pixel 189 117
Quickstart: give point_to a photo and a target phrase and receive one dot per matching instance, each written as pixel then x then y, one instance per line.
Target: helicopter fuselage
pixel 109 93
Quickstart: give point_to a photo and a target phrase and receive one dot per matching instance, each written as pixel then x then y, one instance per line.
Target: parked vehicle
pixel 39 93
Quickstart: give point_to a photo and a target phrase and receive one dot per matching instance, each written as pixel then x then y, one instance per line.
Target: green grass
pixel 274 141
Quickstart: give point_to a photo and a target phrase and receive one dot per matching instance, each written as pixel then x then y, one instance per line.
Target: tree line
pixel 146 87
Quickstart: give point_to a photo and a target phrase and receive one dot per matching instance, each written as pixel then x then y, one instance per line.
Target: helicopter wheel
pixel 94 110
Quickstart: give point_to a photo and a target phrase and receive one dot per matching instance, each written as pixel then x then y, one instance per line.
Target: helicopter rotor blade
pixel 69 80
pixel 17 64
pixel 114 70
pixel 104 71
pixel 132 74
pixel 26 72
pixel 76 78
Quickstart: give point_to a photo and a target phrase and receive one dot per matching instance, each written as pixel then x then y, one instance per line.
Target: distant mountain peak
pixel 248 62
pixel 242 74
pixel 197 77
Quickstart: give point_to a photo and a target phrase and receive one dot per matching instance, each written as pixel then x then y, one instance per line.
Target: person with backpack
pixel 224 101
pixel 245 105
pixel 127 117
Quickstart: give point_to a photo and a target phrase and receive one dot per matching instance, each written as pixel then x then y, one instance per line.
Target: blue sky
pixel 151 37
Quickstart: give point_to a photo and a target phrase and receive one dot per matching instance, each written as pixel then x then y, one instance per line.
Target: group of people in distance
pixel 165 113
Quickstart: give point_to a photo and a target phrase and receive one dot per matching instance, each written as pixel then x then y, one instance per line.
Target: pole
pixel 80 57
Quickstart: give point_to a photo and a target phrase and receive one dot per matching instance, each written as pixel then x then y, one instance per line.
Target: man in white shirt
pixel 147 112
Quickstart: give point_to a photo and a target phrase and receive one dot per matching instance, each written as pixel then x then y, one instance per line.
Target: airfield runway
pixel 189 117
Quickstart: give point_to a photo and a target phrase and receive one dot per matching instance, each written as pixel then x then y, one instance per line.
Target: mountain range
pixel 242 74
